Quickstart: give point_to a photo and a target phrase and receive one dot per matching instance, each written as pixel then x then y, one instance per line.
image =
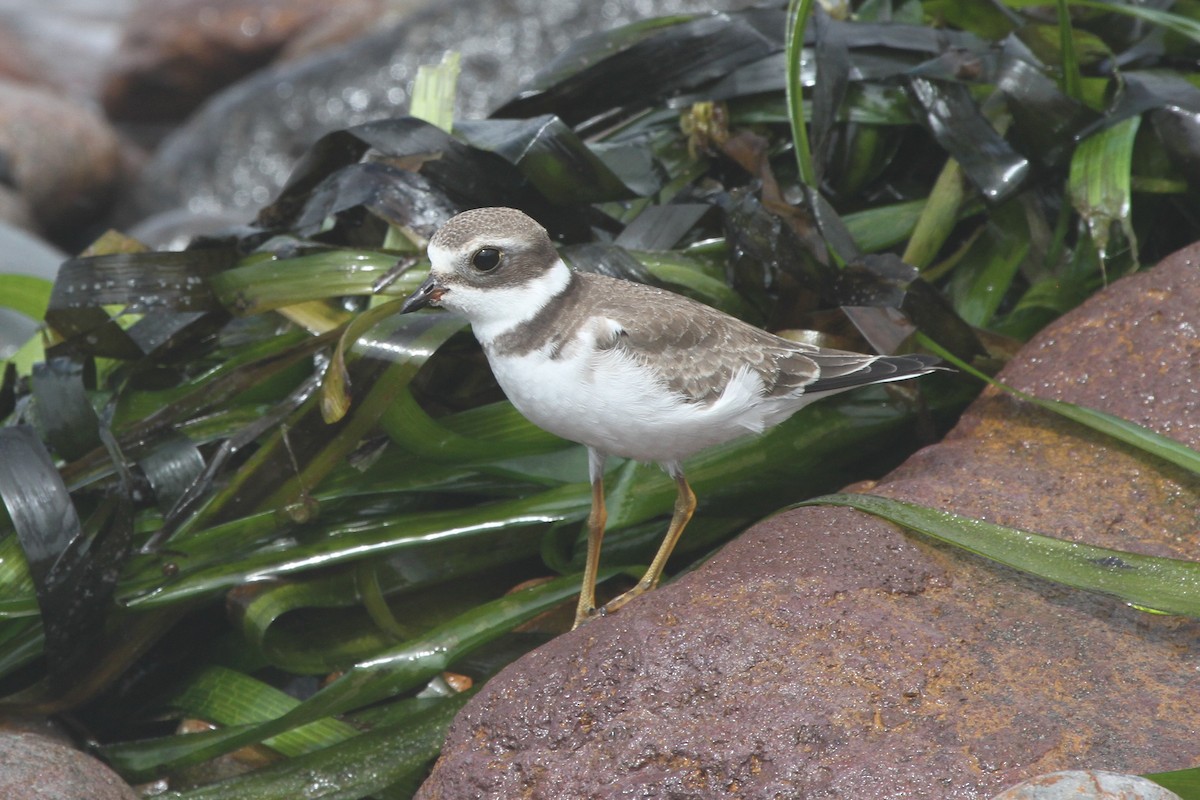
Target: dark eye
pixel 486 259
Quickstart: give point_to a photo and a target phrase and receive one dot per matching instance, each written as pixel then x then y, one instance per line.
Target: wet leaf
pixel 658 64
pixel 954 119
pixel 1166 585
pixel 1100 183
pixel 366 764
pixel 433 91
pixel 142 281
pixel 389 674
pixel 64 412
pixel 550 156
pixel 171 465
pixel 1045 119
pixel 74 563
pixel 25 294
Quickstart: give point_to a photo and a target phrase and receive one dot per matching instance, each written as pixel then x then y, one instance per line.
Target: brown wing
pixel 697 348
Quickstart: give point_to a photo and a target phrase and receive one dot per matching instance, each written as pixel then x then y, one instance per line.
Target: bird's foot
pixel 612 605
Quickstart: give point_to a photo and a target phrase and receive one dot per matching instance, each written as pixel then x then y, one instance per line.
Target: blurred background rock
pixel 170 118
pixel 173 118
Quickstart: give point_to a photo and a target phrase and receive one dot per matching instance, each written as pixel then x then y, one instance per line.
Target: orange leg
pixel 596 522
pixel 685 506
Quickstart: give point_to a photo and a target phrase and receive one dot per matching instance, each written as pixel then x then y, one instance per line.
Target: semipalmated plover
pixel 623 368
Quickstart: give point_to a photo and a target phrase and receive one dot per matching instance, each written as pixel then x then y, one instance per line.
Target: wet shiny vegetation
pixel 239 488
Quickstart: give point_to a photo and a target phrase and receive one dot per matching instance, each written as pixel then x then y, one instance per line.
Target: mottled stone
pixel 175 53
pixel 828 654
pixel 68 42
pixel 14 210
pixel 1086 785
pixel 17 64
pixel 34 767
pixel 236 152
pixel 63 160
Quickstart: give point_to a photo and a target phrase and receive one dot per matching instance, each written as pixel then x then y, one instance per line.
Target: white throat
pixel 496 310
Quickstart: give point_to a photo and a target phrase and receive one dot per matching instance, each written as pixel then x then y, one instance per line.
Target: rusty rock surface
pixel 828 654
pixel 1086 785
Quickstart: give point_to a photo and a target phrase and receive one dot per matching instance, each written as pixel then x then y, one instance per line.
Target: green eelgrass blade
pixel 938 217
pixel 433 91
pixel 359 540
pixel 25 294
pixel 228 697
pixel 798 14
pixel 365 765
pixel 259 285
pixel 21 641
pixel 986 270
pixel 1184 26
pixel 391 673
pixel 1149 583
pixel 335 385
pixel 1071 80
pixel 1100 183
pixel 1122 430
pixel 875 229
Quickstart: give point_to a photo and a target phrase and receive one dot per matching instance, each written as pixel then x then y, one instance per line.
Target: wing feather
pixel 697 349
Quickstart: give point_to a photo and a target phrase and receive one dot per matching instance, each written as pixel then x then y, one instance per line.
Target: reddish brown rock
pixel 827 654
pixel 62 160
pixel 175 53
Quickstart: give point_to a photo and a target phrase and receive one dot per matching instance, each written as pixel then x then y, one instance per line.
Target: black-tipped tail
pixel 884 369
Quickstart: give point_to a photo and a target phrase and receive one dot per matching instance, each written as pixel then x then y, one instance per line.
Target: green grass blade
pixel 798 14
pixel 260 285
pixel 1123 430
pixel 365 765
pixel 1150 583
pixel 1181 25
pixel 1100 183
pixel 20 643
pixel 228 697
pixel 362 540
pixel 875 229
pixel 939 216
pixel 390 673
pixel 1071 80
pixel 433 91
pixel 985 272
pixel 25 294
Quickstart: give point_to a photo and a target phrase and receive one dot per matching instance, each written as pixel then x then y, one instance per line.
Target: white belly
pixel 613 404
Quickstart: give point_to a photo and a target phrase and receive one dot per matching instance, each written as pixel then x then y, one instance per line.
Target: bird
pixel 626 369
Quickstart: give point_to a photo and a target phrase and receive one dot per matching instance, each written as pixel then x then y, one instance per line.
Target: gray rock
pixel 33 767
pixel 174 53
pixel 70 41
pixel 62 159
pixel 239 148
pixel 1086 785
